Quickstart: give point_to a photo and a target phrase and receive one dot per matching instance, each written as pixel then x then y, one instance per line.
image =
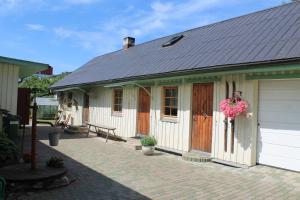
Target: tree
pixel 41 84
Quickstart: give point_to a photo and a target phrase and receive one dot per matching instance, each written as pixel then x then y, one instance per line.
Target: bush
pixel 148 141
pixel 8 150
pixel 55 162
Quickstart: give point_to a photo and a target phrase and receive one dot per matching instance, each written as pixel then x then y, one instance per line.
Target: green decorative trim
pixel 113 85
pixel 145 83
pixel 169 82
pixel 282 75
pixel 202 79
pixel 27 68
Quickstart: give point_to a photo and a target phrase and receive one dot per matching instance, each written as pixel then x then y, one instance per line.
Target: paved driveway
pixel 112 171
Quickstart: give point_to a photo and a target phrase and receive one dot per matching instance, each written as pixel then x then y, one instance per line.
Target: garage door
pixel 279 124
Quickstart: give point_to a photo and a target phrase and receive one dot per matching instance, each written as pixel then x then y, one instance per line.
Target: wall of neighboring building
pixel 245 127
pixel 9 75
pixel 101 110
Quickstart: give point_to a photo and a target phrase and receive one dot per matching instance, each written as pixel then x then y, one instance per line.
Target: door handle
pixel 204 114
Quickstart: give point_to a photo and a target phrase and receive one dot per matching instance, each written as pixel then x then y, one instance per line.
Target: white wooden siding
pixel 175 134
pixel 101 110
pixel 172 135
pixel 245 128
pixel 9 75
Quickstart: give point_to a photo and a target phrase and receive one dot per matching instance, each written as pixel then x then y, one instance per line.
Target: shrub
pixel 148 141
pixel 55 162
pixel 8 150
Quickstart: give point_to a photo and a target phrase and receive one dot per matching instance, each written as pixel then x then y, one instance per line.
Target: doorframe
pixel 137 109
pixel 191 118
pixel 83 107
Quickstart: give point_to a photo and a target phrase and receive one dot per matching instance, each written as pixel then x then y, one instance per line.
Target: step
pixel 196 157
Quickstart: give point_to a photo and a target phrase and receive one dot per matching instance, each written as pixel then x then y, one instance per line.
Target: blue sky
pixel 68 33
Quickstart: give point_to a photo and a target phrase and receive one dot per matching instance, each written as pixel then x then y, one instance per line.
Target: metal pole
pixel 33 136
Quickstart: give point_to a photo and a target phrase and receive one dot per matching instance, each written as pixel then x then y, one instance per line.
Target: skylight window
pixel 173 41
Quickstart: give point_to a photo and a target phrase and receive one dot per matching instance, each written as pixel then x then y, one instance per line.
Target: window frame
pixel 119 104
pixel 163 105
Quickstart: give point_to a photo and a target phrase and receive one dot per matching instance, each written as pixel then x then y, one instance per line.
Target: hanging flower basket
pixel 233 107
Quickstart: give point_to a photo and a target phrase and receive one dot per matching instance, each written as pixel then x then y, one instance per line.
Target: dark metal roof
pixel 268 35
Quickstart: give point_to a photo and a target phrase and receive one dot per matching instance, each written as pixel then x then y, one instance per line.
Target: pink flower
pixel 233 107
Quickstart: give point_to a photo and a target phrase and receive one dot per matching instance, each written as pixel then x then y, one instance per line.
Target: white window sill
pixel 169 119
pixel 117 114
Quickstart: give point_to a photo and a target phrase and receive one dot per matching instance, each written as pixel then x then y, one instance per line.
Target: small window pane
pixel 167 102
pixel 167 111
pixel 174 93
pixel 168 92
pixel 173 102
pixel 116 108
pixel 174 112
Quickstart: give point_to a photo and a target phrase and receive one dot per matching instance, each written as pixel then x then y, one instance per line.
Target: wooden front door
pixel 85 109
pixel 143 125
pixel 202 110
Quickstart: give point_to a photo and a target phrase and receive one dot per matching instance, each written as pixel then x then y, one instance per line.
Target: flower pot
pixel 148 150
pixel 54 138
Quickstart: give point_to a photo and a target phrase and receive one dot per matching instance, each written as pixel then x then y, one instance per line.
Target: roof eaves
pixel 241 68
pixel 27 68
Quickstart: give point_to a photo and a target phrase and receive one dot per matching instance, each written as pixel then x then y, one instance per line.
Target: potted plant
pixel 54 138
pixel 55 162
pixel 148 144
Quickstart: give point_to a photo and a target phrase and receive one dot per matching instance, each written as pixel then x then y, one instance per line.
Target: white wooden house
pixel 171 88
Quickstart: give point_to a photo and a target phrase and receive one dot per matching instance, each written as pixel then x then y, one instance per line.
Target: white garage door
pixel 279 124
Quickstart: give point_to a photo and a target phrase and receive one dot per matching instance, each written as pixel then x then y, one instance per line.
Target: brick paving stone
pixel 113 171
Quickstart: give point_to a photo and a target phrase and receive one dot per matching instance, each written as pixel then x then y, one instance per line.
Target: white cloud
pixel 89 40
pixel 36 27
pixel 9 7
pixel 161 18
pixel 166 16
pixel 17 7
pixel 9 3
pixel 81 1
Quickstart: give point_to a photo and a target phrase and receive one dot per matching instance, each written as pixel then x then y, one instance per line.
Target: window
pixel 170 101
pixel 172 41
pixel 117 100
pixel 69 100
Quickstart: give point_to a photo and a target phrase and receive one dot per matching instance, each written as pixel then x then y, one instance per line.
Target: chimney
pixel 128 42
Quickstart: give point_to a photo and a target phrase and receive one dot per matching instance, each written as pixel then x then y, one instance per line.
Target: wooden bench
pixel 98 128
